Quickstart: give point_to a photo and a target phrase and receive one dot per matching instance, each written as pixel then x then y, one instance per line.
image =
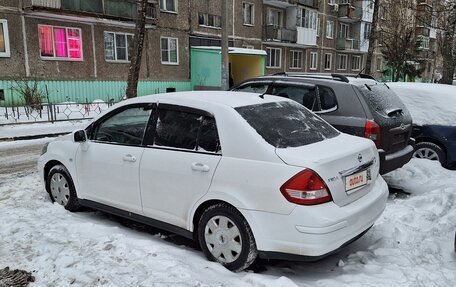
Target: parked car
pixel 358 106
pixel 433 111
pixel 244 174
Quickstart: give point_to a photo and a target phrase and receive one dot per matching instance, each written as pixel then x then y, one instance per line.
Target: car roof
pixel 204 98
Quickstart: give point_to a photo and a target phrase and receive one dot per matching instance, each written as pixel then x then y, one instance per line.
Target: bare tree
pixel 372 38
pixel 449 42
pixel 138 44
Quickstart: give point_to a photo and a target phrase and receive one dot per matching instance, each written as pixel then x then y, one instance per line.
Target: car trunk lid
pixel 337 161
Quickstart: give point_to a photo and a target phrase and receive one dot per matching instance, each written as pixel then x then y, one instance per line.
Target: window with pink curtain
pixel 46 45
pixel 60 41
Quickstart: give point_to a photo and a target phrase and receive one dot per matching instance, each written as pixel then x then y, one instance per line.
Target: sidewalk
pixel 39 130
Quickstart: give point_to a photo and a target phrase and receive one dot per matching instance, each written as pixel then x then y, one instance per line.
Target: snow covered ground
pixel 410 245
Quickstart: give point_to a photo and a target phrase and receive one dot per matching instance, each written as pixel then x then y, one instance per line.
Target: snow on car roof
pixel 429 104
pixel 224 98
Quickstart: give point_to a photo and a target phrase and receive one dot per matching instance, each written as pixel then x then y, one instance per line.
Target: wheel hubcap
pixel 60 190
pixel 223 239
pixel 426 153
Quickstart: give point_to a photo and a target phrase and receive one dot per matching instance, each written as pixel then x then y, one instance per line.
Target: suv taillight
pixel 372 131
pixel 306 188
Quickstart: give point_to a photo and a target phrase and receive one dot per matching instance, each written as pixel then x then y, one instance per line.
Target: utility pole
pixel 224 44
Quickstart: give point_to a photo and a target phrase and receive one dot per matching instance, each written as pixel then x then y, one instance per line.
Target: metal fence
pixel 51 112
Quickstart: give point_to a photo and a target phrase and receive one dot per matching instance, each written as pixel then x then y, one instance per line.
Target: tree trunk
pixel 449 59
pixel 138 42
pixel 372 39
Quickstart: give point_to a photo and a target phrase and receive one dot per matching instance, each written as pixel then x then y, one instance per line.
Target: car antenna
pixel 360 73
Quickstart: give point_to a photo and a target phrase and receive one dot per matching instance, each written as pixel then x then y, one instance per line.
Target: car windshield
pixel 286 124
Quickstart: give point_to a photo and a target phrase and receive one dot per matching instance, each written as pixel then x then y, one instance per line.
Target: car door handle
pixel 200 167
pixel 129 158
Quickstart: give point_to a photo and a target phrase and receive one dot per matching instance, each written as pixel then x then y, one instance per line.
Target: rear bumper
pixel 392 161
pixel 312 232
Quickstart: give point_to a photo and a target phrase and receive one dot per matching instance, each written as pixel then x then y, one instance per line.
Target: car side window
pixel 303 95
pixel 208 140
pixel 328 100
pixel 126 127
pixel 177 129
pixel 259 88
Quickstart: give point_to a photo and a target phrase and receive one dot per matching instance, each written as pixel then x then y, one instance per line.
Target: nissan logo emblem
pixel 360 157
pixel 403 126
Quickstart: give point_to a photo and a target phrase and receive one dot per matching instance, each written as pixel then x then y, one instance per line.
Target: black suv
pixel 356 105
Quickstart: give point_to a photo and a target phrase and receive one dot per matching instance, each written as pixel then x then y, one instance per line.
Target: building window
pixel 248 11
pixel 328 61
pixel 331 2
pixel 274 17
pixel 344 2
pixel 169 51
pixel 378 64
pixel 313 60
pixel 356 63
pixel 296 60
pixel 318 26
pixel 342 62
pixel 60 42
pixel 344 31
pixel 307 18
pixel 274 57
pixel 209 20
pixel 4 39
pixel 168 5
pixel 423 42
pixel 329 29
pixel 118 46
pixel 367 31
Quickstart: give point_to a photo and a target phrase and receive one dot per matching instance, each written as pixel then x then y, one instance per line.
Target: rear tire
pixel 431 151
pixel 60 187
pixel 225 237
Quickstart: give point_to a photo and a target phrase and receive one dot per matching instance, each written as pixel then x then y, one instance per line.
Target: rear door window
pixel 304 95
pixel 286 124
pixel 328 100
pixel 185 130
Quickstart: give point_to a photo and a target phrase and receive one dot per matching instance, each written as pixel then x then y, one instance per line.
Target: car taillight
pixel 306 188
pixel 372 131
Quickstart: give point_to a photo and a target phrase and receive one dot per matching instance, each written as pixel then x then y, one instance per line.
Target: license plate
pixel 356 180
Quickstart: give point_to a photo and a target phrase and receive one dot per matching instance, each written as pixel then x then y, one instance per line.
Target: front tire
pixel 60 187
pixel 225 237
pixel 431 151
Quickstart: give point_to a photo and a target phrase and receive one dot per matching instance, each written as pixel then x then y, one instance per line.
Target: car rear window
pixel 286 124
pixel 381 99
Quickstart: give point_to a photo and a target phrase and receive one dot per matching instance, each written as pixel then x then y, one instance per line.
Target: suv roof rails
pixel 332 76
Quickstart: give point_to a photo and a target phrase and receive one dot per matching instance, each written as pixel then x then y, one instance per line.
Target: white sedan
pixel 245 175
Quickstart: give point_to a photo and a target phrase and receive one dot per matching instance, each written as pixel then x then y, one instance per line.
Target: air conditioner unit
pixel 335 8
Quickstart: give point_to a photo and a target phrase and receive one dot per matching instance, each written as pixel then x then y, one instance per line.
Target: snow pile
pixel 431 104
pixel 10 131
pixel 410 245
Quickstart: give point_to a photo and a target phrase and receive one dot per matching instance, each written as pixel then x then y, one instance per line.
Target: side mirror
pixel 80 136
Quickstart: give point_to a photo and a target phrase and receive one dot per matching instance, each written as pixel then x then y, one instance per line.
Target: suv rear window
pixel 382 99
pixel 286 124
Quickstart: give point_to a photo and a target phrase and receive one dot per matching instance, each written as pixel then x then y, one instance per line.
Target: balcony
pixel 347 44
pixel 422 31
pixel 309 3
pixel 348 13
pixel 280 3
pixel 52 4
pixel 274 33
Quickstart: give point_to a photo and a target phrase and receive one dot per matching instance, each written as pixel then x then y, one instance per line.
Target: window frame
pixel 280 14
pixel 292 59
pixel 339 62
pixel 329 24
pixel 346 29
pixel 359 63
pixel 115 46
pixel 252 14
pixel 330 61
pixel 7 53
pixel 53 58
pixel 322 111
pixel 268 55
pixel 177 51
pixel 307 18
pixel 163 7
pixel 313 56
